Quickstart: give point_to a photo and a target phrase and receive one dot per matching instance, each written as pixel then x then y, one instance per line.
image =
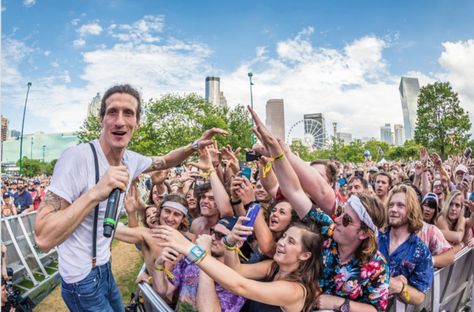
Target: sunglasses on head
pixel 218 235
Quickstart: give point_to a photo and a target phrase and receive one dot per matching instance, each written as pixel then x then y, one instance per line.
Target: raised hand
pixel 239 232
pixel 159 176
pixel 206 137
pixel 172 238
pixel 133 202
pixel 423 155
pixel 205 241
pixel 205 163
pixel 265 136
pixel 244 190
pixel 436 160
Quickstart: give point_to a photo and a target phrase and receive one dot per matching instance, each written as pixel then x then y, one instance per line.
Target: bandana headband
pixel 176 206
pixel 361 212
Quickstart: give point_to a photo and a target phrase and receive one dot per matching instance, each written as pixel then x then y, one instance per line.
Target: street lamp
pixel 334 125
pixel 44 149
pixel 251 102
pixel 31 157
pixel 22 127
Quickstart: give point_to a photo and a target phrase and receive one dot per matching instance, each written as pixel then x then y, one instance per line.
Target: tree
pixel 442 123
pixel 174 121
pixel 90 129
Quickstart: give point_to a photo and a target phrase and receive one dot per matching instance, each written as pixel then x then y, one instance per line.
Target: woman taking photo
pixel 286 283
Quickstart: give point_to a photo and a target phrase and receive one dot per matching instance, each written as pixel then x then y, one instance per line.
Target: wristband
pixel 227 245
pixel 246 206
pixel 235 202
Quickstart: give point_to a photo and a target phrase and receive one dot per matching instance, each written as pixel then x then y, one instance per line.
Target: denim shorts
pixel 96 292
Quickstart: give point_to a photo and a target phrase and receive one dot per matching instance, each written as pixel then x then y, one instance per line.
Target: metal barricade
pixel 153 302
pixel 33 270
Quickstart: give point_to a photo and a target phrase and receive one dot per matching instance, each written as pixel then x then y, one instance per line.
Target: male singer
pixel 66 215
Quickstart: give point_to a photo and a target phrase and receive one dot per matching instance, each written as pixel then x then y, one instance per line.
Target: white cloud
pixel 29 3
pixel 90 29
pixel 75 21
pixel 13 53
pixel 142 31
pixel 457 60
pixel 55 64
pixel 351 85
pixel 79 42
pixel 47 53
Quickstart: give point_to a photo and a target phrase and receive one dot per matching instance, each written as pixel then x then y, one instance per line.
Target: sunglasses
pixel 218 235
pixel 346 219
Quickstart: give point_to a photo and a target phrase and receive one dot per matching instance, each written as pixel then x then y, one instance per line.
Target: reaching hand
pixel 205 241
pixel 167 255
pixel 244 189
pixel 265 136
pixel 159 176
pixel 205 163
pixel 206 138
pixel 133 202
pixel 172 238
pixel 436 160
pixel 239 232
pixel 423 155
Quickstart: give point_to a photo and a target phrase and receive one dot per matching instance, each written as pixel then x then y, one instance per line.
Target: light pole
pixel 22 127
pixel 44 149
pixel 31 158
pixel 334 125
pixel 251 102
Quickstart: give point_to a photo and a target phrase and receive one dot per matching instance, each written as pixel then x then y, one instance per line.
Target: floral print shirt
pixel 362 283
pixel 411 259
pixel 186 279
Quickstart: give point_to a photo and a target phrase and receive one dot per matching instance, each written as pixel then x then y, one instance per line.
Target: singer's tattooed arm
pixel 53 203
pixel 57 219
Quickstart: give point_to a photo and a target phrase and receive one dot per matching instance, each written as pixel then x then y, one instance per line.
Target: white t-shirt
pixel 74 174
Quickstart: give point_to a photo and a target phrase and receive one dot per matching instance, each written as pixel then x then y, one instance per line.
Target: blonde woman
pixel 451 221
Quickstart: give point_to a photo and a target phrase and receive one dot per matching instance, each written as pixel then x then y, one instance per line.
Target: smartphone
pixel 246 171
pixel 342 182
pixel 466 177
pixel 251 156
pixel 252 214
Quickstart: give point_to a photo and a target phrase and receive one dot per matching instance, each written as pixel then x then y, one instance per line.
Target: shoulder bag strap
pixel 96 210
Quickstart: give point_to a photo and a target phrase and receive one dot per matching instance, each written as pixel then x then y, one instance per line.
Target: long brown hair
pixel 185 224
pixel 308 272
pixel 415 219
pixel 377 213
pixel 447 207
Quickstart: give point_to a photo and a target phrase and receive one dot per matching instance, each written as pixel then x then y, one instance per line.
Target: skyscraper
pixel 398 135
pixel 94 106
pixel 409 92
pixel 276 117
pixel 321 128
pixel 213 90
pixel 386 134
pixel 4 128
pixel 344 137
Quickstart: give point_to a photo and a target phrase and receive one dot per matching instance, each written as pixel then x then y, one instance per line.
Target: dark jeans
pixel 96 292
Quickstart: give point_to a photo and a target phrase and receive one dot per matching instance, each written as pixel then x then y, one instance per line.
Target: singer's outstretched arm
pixel 177 156
pixel 57 218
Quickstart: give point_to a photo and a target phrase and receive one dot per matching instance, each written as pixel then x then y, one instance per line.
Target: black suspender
pixel 96 210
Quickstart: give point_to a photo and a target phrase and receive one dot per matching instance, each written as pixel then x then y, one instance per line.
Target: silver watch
pixel 195 145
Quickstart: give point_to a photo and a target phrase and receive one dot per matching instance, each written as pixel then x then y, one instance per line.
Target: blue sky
pixel 342 58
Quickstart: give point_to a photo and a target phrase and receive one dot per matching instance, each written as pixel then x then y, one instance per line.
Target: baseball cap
pixel 373 169
pixel 462 168
pixel 430 195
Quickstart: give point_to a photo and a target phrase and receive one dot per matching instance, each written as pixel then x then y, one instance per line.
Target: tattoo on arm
pixel 157 163
pixel 55 202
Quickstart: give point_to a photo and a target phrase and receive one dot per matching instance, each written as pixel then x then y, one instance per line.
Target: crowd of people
pixel 279 233
pixel 328 235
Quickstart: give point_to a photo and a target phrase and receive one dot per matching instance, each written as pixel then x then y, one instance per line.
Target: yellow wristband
pixel 159 267
pixel 279 157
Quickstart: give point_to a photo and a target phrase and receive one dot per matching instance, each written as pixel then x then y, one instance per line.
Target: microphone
pixel 111 212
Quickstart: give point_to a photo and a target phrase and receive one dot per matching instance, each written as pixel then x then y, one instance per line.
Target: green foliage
pixel 354 152
pixel 89 130
pixel 35 167
pixel 442 123
pixel 174 121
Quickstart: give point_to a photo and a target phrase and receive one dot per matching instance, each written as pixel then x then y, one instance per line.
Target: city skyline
pixel 308 53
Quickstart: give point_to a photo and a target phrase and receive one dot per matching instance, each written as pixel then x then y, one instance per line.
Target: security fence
pixel 34 272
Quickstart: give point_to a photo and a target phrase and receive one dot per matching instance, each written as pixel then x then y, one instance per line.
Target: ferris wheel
pixel 310 132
